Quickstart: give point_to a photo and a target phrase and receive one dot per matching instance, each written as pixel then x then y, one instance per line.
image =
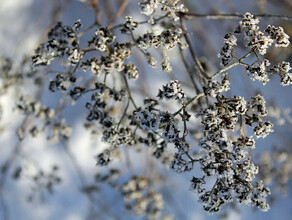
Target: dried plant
pixel 191 124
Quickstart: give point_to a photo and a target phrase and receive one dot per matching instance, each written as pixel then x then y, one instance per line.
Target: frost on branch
pixel 218 140
pixel 62 41
pixel 257 41
pixel 169 7
pixel 225 158
pixel 172 91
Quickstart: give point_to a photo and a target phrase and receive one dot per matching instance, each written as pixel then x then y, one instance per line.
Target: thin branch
pixel 192 159
pixel 233 16
pixel 119 13
pixel 141 22
pixel 185 132
pixel 87 29
pixel 186 65
pixel 129 91
pixel 189 102
pixel 124 113
pixel 241 125
pixel 230 65
pixel 213 188
pixel 193 54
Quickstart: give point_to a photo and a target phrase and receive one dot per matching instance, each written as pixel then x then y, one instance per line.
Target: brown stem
pixel 192 51
pixel 233 16
pixel 230 65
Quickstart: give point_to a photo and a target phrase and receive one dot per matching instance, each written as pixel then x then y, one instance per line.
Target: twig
pixel 241 126
pixel 213 188
pixel 189 102
pixel 124 113
pixel 192 159
pixel 193 54
pixel 230 66
pixel 233 16
pixel 185 133
pixel 141 22
pixel 87 29
pixel 129 91
pixel 189 71
pixel 118 14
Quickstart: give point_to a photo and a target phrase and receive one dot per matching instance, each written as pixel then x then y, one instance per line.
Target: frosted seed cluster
pixel 223 143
